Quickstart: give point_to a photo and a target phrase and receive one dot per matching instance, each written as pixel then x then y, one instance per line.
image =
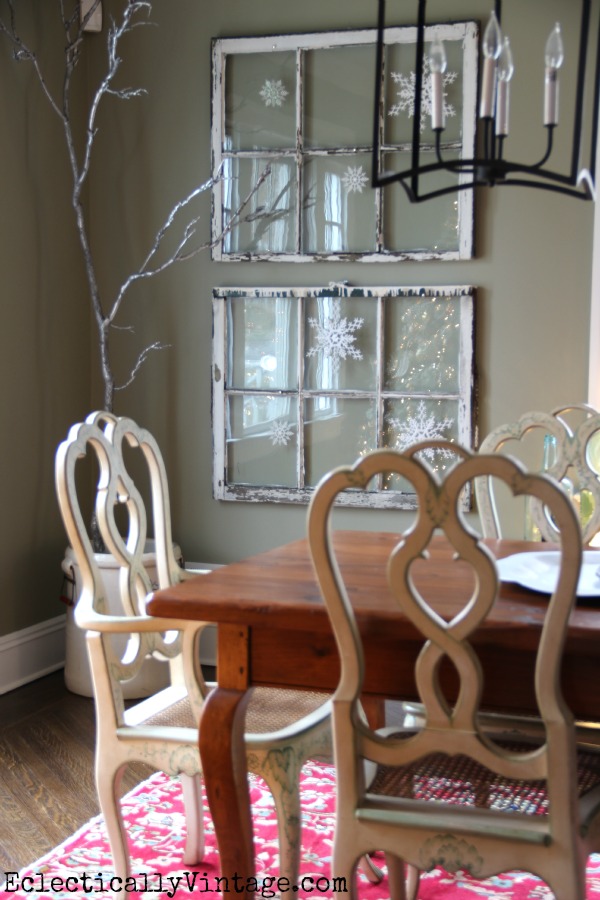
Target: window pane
pixel 262 440
pixel 338 97
pixel 400 92
pixel 409 421
pixel 272 210
pixel 336 432
pixel 339 206
pixel 340 344
pixel 262 343
pixel 260 101
pixel 422 344
pixel 431 226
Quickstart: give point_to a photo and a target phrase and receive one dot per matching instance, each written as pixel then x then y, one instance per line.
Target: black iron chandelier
pixel 489 166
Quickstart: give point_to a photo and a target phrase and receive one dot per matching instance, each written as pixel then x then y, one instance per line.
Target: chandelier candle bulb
pixel 492 47
pixel 554 58
pixel 505 73
pixel 437 64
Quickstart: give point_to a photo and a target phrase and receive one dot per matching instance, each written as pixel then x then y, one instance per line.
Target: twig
pixel 157 345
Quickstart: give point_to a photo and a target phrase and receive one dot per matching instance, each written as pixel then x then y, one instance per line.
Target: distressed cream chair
pixel 572 436
pixel 286 728
pixel 395 809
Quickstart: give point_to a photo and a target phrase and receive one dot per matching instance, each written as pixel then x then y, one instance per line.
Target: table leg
pixel 223 754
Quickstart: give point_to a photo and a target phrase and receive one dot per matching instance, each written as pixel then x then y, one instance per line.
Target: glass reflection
pixel 339 210
pixel 266 224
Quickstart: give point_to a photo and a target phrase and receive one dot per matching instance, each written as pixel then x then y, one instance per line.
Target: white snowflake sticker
pixel 281 433
pixel 406 94
pixel 273 92
pixel 335 336
pixel 355 179
pixel 422 427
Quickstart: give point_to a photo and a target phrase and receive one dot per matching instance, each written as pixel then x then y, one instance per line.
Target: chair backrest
pixel 570 455
pixel 105 437
pixel 452 726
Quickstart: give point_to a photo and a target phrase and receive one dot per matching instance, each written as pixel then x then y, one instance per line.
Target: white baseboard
pixel 31 653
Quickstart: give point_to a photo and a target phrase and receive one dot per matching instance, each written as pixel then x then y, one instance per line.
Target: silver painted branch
pixel 80 148
pixel 157 345
pixel 179 254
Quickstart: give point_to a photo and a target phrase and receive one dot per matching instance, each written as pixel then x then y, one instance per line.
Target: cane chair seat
pixel 269 710
pixel 462 780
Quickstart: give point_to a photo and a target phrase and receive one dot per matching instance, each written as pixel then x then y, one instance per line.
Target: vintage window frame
pixel 465 31
pixel 221 389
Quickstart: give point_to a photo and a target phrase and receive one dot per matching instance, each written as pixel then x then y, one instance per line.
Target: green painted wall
pixel 44 335
pixel 532 269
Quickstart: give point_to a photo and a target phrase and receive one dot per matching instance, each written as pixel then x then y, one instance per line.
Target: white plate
pixel 539 571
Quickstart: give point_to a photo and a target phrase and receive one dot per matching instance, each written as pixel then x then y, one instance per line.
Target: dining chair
pixel 446 792
pixel 570 454
pixel 285 728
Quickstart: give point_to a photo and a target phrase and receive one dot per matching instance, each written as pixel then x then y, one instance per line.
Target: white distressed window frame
pixel 467 32
pixel 383 499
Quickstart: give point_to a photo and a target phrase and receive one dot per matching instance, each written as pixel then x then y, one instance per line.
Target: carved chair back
pixel 451 727
pixel 106 437
pixel 571 437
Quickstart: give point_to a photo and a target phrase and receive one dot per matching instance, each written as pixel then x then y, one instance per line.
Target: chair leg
pixel 281 771
pixel 413 876
pixel 344 873
pixel 191 787
pixel 568 883
pixel 403 878
pixel 108 782
pixel 371 871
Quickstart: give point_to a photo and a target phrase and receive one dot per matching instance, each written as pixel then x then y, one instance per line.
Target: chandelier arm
pixel 430 195
pixel 496 175
pixel 441 192
pixel 557 188
pixel 486 138
pixel 497 163
pixel 501 139
pixel 548 152
pixel 469 165
pixel 438 146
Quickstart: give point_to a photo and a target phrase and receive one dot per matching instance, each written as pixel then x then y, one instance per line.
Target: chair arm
pixel 186 574
pixel 93 621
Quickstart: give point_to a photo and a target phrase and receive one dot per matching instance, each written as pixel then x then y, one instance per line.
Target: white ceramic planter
pixel 154 674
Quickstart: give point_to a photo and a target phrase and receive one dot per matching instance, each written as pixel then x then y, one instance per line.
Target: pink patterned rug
pixel 82 866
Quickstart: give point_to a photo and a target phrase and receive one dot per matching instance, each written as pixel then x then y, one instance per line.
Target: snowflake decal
pixel 273 92
pixel 335 337
pixel 406 94
pixel 355 179
pixel 280 433
pixel 421 427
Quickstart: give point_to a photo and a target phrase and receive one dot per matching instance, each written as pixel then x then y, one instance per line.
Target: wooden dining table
pixel 273 630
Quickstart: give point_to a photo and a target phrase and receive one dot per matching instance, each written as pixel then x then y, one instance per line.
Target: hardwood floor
pixel 47 786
